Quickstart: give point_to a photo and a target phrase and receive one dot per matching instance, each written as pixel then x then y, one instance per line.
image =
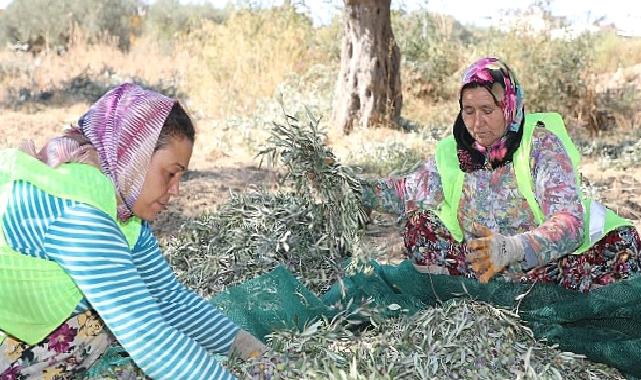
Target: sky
pixel 626 14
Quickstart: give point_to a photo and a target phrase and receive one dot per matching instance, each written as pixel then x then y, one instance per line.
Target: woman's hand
pixel 246 346
pixel 491 252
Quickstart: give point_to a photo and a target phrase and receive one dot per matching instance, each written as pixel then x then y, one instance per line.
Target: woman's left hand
pixel 247 346
pixel 491 252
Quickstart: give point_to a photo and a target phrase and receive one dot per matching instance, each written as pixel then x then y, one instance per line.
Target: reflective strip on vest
pixel 598 220
pixel 42 283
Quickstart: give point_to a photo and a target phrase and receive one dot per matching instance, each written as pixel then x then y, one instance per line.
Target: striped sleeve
pixel 91 248
pixel 181 307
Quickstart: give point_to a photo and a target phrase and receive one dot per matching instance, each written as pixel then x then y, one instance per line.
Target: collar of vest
pixel 74 181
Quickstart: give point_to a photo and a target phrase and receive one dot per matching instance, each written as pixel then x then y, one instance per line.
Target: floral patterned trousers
pixel 65 354
pixel 617 255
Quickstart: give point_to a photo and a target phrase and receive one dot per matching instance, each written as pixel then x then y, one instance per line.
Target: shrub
pixel 52 21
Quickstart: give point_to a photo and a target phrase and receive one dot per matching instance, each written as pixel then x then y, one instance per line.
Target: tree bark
pixel 368 89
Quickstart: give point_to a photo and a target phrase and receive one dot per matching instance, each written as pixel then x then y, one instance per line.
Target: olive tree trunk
pixel 368 89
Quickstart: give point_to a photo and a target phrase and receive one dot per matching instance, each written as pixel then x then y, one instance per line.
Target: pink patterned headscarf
pixel 492 70
pixel 118 134
pixel 486 72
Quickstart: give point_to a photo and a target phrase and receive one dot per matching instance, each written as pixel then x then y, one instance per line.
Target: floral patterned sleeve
pixel 558 194
pixel 419 190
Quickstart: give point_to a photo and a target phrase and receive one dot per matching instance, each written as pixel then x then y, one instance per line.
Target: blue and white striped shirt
pixel 168 330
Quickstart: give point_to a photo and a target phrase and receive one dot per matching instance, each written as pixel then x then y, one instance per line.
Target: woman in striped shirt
pixel 79 264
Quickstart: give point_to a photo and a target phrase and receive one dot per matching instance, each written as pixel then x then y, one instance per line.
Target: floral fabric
pixel 65 354
pixel 614 257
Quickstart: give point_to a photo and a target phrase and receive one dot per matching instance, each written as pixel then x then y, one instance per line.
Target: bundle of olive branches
pixel 462 339
pixel 319 180
pixel 311 226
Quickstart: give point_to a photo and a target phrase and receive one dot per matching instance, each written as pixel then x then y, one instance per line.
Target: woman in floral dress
pixel 498 231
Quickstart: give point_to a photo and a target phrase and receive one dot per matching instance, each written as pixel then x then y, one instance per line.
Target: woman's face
pixel 162 180
pixel 482 117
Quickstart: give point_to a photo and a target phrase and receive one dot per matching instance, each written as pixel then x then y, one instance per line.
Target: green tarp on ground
pixel 604 325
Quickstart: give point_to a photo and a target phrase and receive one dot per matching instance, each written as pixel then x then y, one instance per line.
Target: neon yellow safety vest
pixel 37 295
pixel 598 220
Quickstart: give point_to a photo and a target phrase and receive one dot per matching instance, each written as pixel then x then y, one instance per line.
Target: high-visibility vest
pixel 37 295
pixel 598 220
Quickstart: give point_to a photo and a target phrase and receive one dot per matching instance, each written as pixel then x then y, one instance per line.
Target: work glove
pixel 246 346
pixel 491 252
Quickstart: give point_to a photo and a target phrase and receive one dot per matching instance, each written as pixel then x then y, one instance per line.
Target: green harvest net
pixel 604 325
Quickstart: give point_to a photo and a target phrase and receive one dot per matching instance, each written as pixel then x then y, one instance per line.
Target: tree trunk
pixel 368 89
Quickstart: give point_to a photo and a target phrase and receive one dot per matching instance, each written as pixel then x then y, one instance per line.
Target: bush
pixel 613 51
pixel 242 60
pixel 167 20
pixel 557 74
pixel 52 21
pixel 432 48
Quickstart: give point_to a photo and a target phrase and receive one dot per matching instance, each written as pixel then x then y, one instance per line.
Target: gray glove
pixel 246 346
pixel 492 252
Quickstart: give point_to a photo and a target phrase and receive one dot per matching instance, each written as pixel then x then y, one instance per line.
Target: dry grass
pixel 38 126
pixel 222 70
pixel 102 62
pixel 614 52
pixel 236 63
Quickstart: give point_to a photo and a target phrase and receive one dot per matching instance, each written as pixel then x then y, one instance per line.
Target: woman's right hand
pixel 491 252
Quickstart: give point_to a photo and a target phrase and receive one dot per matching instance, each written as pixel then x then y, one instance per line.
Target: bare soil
pixel 213 174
